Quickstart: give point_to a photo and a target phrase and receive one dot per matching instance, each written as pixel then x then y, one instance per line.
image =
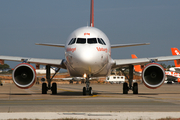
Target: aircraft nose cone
pixel 88 57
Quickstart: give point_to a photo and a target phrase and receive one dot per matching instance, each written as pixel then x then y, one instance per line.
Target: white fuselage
pixel 88 51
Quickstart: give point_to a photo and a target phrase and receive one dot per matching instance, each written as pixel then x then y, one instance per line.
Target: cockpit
pixel 87 41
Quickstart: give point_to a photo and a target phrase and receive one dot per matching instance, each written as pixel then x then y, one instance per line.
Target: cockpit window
pixel 99 41
pixel 81 40
pixel 103 41
pixel 72 41
pixel 91 40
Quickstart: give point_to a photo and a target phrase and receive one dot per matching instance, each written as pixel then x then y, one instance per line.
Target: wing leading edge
pixel 118 63
pixel 128 45
pixel 53 62
pixel 52 45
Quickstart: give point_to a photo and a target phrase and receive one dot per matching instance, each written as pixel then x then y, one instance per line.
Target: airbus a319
pixel 88 54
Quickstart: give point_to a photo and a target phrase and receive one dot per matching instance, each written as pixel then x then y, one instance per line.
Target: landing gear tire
pixel 90 91
pixel 54 88
pixel 135 88
pixel 169 82
pixel 125 88
pixel 71 82
pixel 84 90
pixel 44 88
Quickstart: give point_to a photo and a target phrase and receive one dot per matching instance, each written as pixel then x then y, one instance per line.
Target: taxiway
pixel 106 98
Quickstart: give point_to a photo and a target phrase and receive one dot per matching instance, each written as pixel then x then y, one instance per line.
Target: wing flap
pixel 171 77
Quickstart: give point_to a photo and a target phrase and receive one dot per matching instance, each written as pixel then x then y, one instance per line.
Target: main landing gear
pixel 87 89
pixel 126 88
pixel 46 87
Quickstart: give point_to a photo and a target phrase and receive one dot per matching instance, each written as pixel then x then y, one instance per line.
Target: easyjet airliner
pixel 88 54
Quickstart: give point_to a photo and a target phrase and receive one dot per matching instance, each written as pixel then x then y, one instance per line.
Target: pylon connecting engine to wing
pixel 24 75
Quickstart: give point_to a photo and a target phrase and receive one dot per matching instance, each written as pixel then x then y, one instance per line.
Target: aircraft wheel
pixel 135 88
pixel 54 88
pixel 71 82
pixel 169 82
pixel 84 90
pixel 125 88
pixel 44 88
pixel 90 91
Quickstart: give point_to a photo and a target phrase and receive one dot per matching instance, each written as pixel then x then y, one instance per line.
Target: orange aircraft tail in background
pixel 175 51
pixel 137 68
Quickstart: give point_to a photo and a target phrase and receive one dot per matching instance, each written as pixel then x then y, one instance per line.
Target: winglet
pixel 136 67
pixel 175 51
pixel 92 14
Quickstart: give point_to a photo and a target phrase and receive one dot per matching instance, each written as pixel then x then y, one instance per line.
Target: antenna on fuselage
pixel 92 14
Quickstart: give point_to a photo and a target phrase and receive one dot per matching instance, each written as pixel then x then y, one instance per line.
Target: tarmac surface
pixel 107 98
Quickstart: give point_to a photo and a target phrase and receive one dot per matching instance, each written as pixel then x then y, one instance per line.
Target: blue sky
pixel 26 22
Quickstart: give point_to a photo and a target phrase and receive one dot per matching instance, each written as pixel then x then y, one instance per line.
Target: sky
pixel 26 22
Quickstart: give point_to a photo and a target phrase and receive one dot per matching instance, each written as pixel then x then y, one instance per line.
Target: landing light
pixel 84 75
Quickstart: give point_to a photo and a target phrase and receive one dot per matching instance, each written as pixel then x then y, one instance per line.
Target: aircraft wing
pixel 118 63
pixel 78 78
pixel 171 77
pixel 177 70
pixel 73 78
pixel 128 45
pixel 41 61
pixel 67 79
pixel 52 45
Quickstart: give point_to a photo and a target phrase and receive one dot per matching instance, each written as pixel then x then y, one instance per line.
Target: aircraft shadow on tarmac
pixel 69 93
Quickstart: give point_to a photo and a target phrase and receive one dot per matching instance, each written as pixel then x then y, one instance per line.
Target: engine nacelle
pixel 24 75
pixel 153 75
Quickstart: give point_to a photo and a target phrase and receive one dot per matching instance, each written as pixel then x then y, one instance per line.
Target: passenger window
pixel 99 41
pixel 92 40
pixel 81 40
pixel 72 41
pixel 103 41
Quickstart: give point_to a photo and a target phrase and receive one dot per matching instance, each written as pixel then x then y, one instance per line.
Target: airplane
pixel 176 69
pixel 171 76
pixel 88 54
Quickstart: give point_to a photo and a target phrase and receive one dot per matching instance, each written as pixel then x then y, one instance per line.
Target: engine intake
pixel 24 75
pixel 153 75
